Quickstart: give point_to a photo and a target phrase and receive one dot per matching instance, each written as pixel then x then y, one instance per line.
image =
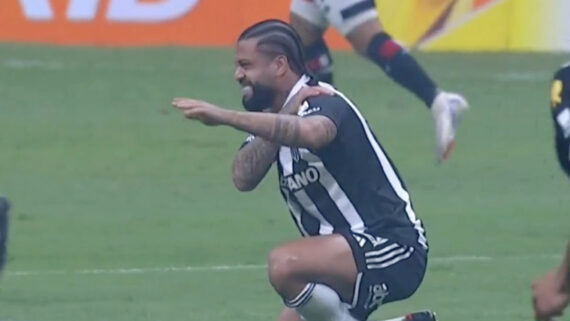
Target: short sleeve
pixel 248 140
pixel 333 107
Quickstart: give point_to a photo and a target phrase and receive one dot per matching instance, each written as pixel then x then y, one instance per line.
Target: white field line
pixel 19 63
pixel 524 76
pixel 53 65
pixel 237 267
pixel 16 63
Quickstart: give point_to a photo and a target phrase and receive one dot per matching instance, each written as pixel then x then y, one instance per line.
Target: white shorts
pixel 344 15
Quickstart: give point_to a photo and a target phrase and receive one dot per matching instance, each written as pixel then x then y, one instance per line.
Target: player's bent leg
pixel 364 31
pixel 312 274
pixel 374 43
pixel 318 58
pixel 308 31
pixel 328 278
pixel 388 270
pixel 362 34
pixel 320 259
pixel 446 107
pixel 358 21
pixel 288 314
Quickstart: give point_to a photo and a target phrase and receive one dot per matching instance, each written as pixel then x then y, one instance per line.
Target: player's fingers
pixel 189 113
pixel 322 91
pixel 185 102
pixel 315 91
pixel 185 105
pixel 183 99
pixel 308 92
pixel 176 101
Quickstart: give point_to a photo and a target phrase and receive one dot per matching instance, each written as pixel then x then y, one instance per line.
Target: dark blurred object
pixel 4 220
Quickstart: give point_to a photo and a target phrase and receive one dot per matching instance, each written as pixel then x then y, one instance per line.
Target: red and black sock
pixel 401 67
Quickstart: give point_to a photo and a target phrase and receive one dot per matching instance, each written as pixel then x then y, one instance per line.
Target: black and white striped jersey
pixel 349 185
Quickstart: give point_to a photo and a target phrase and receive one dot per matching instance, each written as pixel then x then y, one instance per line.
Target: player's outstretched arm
pixel 252 162
pixel 285 128
pixel 312 132
pixel 550 293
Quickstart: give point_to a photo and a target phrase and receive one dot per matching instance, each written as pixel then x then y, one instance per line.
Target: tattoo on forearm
pixel 286 129
pixel 254 160
pixel 329 129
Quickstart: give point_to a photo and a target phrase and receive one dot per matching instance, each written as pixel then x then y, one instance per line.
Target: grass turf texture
pixel 104 174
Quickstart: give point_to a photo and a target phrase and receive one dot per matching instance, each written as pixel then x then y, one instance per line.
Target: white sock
pixel 318 302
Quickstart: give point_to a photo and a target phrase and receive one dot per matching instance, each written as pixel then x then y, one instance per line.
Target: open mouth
pixel 247 91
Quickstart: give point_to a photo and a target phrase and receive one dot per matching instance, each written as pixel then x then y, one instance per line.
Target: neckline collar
pixel 298 85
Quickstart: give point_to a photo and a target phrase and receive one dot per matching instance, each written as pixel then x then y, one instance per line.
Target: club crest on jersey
pixel 305 110
pixel 309 111
pixel 300 180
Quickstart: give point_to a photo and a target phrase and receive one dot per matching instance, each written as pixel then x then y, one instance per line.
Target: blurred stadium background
pixel 125 211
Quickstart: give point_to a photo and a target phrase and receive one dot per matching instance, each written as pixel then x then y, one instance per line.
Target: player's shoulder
pixel 324 103
pixel 337 99
pixel 563 73
pixel 324 99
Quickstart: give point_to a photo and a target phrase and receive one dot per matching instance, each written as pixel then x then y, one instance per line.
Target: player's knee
pixel 282 267
pixel 308 32
pixel 361 36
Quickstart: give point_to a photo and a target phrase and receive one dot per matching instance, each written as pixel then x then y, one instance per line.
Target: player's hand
pixel 292 107
pixel 549 298
pixel 205 112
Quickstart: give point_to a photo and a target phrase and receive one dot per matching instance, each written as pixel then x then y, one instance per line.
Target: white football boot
pixel 446 110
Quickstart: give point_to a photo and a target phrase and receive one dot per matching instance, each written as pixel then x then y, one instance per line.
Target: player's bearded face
pixel 255 73
pixel 257 96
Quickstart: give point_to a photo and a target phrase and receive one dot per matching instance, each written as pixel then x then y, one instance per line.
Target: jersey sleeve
pixel 247 140
pixel 332 107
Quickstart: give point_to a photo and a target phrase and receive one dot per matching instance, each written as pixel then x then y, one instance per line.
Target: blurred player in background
pixel 551 292
pixel 358 21
pixel 363 245
pixel 4 207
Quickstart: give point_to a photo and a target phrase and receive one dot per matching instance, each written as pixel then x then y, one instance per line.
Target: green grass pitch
pixel 123 209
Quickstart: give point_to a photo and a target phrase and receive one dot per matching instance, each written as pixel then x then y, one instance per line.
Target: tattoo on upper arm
pixel 257 155
pixel 254 160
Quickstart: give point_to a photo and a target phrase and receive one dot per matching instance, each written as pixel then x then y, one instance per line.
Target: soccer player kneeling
pixel 362 244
